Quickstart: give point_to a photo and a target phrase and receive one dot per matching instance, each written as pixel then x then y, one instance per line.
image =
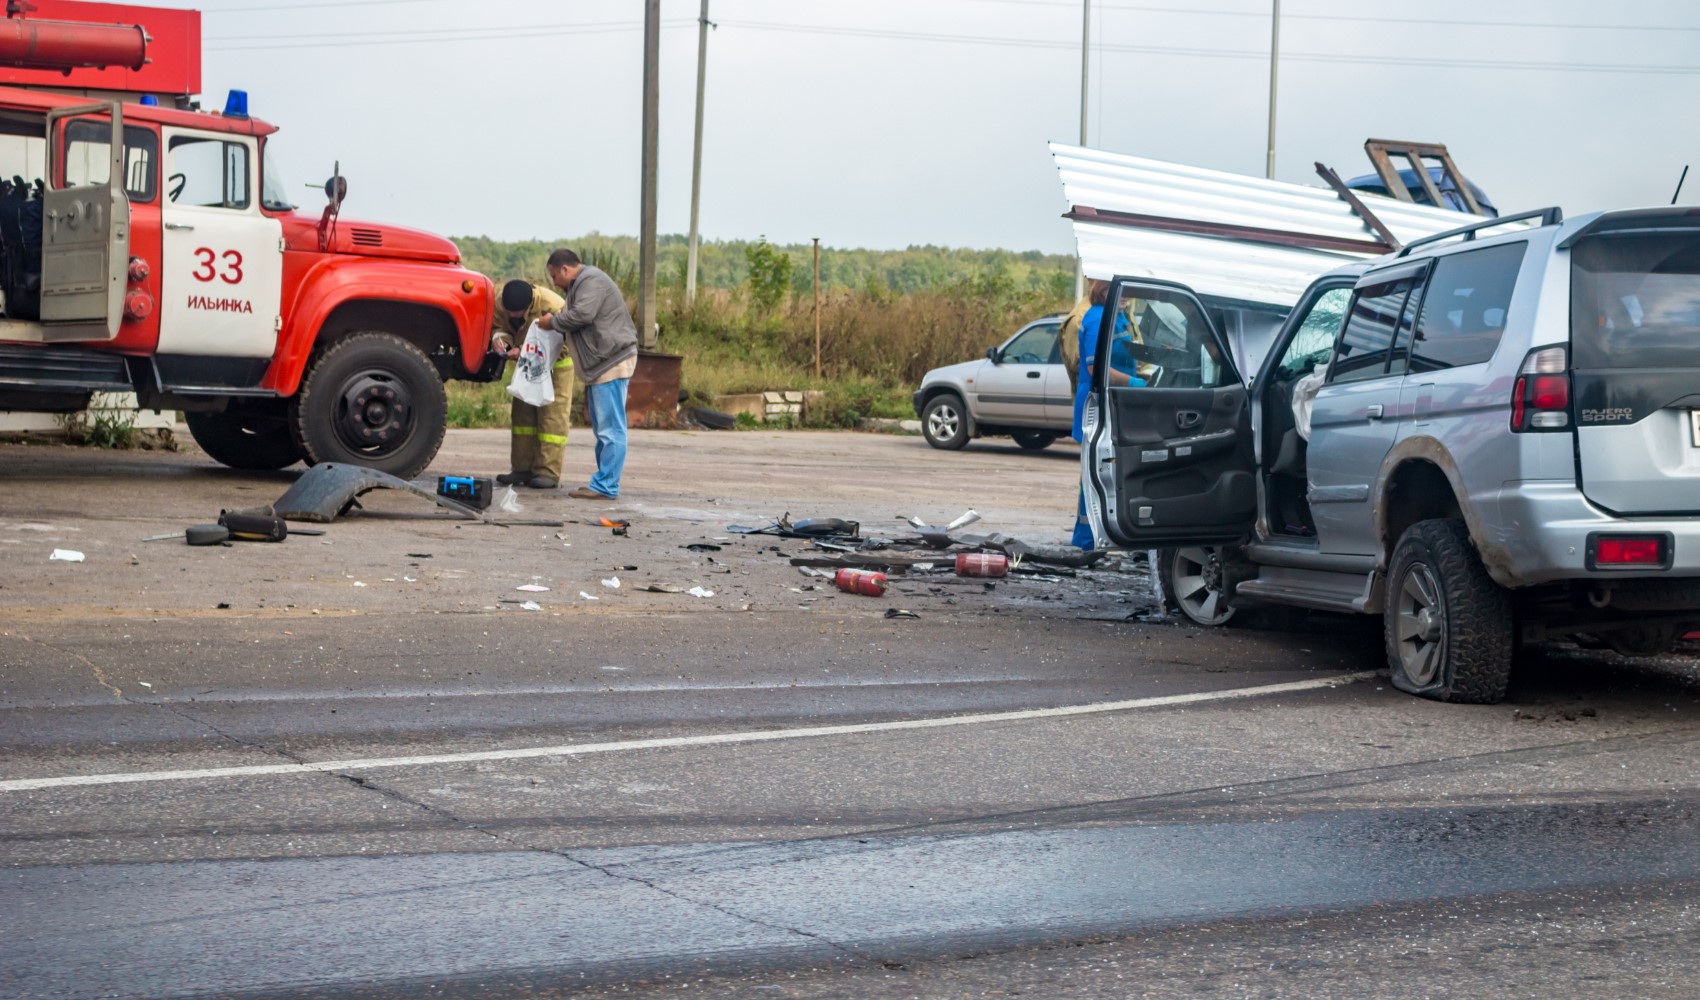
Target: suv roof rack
pixel 1551 216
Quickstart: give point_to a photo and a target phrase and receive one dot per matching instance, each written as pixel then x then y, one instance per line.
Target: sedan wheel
pixel 944 423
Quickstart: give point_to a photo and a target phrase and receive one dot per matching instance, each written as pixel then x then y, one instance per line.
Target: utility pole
pixel 817 304
pixel 1274 62
pixel 1085 56
pixel 646 218
pixel 696 157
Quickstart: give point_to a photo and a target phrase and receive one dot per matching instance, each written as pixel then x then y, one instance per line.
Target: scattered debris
pixel 815 527
pixel 419 555
pixel 532 606
pixel 968 517
pixel 861 581
pixel 703 547
pixel 65 555
pixel 612 583
pixel 900 613
pixel 254 524
pixel 700 592
pixel 588 596
pixel 474 491
pixel 620 526
pixel 991 564
pixel 330 489
pixel 662 588
pixel 509 503
pixel 533 588
pixel 207 534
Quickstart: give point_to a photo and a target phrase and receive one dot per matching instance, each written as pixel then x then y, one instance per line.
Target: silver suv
pixel 1021 388
pixel 1504 447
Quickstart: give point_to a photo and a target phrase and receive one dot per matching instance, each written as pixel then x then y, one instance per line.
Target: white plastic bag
pixel 533 380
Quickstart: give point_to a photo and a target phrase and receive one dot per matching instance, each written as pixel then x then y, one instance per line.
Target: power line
pixel 1448 22
pixel 459 32
pixel 373 39
pixel 303 6
pixel 1216 53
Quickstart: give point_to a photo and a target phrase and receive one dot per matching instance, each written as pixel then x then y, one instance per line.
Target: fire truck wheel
pixel 243 439
pixel 371 399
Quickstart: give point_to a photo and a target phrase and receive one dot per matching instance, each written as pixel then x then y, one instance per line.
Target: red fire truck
pixel 150 246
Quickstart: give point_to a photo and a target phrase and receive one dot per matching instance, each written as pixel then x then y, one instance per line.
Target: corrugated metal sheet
pixel 1226 268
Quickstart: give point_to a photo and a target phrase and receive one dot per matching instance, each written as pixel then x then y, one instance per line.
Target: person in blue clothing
pixel 1123 371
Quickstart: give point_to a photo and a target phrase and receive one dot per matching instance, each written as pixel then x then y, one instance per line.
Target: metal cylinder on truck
pixel 27 43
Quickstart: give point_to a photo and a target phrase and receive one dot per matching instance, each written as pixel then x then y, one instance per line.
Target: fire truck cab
pixel 149 246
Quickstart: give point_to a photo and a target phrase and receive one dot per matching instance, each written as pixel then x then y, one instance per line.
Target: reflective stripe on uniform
pixel 552 438
pixel 524 431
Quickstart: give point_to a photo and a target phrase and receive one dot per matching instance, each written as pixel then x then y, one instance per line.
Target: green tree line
pixel 725 264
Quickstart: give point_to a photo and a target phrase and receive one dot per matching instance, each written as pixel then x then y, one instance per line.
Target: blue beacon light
pixel 236 105
pixel 150 101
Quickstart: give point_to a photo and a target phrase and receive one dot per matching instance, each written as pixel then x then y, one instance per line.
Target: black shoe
pixel 514 478
pixel 542 483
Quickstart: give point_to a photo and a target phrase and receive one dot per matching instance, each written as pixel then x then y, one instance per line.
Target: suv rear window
pixel 1635 300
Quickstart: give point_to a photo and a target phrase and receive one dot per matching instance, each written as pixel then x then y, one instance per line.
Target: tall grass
pixel 875 344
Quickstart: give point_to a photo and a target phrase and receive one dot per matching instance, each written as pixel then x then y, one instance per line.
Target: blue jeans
pixel 1082 526
pixel 607 404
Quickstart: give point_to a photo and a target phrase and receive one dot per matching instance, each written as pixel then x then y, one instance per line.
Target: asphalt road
pixel 370 774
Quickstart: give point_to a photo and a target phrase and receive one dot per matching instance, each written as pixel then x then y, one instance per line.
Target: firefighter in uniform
pixel 539 433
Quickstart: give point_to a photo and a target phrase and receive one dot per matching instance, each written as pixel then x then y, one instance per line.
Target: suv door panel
pixel 1174 460
pixel 1355 418
pixel 1183 461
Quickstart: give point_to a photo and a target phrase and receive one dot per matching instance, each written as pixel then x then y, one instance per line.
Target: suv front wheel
pixel 1448 625
pixel 944 422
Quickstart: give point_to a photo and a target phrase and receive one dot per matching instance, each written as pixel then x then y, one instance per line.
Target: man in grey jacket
pixel 602 339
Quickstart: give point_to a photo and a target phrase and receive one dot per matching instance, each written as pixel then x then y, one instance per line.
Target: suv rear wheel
pixel 944 422
pixel 1448 626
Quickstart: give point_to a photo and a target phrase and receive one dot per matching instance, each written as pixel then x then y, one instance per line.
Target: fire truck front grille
pixel 367 237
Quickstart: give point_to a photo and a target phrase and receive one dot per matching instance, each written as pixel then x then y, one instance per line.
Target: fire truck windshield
pixel 273 190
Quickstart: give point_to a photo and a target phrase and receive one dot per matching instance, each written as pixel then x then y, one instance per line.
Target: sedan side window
pixel 1036 345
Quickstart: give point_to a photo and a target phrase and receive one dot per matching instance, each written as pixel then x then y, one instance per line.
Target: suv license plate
pixel 1694 427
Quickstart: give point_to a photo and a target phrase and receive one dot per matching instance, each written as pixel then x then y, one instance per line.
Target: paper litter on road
pixel 699 592
pixel 532 606
pixel 533 588
pixel 65 555
pixel 508 502
pixel 612 583
pixel 588 596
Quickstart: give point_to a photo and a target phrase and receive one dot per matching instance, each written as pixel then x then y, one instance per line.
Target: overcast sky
pixel 884 123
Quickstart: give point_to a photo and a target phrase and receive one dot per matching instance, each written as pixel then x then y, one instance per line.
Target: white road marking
pixel 713 739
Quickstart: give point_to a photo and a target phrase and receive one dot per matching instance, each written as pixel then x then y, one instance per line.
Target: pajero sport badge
pixel 1609 415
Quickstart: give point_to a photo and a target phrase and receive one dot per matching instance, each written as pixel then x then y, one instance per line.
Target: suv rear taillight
pixel 1643 551
pixel 1540 401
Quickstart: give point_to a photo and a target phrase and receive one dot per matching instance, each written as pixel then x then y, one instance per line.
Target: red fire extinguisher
pixel 861 581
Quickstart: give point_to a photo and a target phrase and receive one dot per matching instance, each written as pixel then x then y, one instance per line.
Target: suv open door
pixel 1169 462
